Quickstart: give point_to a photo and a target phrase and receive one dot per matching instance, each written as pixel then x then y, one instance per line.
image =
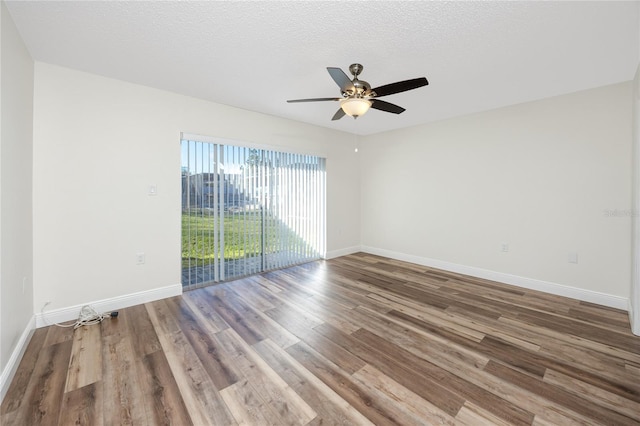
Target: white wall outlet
pixel 504 247
pixel 140 258
pixel 573 257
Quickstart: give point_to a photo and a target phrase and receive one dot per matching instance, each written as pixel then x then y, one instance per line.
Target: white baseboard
pixel 71 313
pixel 342 252
pixel 516 280
pixel 15 358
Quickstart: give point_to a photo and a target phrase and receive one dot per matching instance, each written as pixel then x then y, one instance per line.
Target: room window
pixel 248 210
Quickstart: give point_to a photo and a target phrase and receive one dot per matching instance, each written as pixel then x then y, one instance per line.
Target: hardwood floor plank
pixel 85 366
pixel 356 340
pixel 146 341
pixel 467 327
pixel 208 349
pixel 123 398
pixel 580 364
pixel 296 321
pixel 588 361
pixel 83 406
pixel 470 373
pixel 342 383
pixel 435 328
pixel 406 407
pixel 399 369
pixel 408 337
pixel 573 402
pixel 311 305
pixel 406 274
pixel 163 318
pixel 286 281
pixel 331 408
pixel 58 335
pixel 167 406
pixel 458 385
pixel 360 291
pixel 488 328
pixel 428 313
pixel 617 323
pixel 202 309
pixel 555 339
pixel 204 403
pixel 594 394
pixel 627 342
pixel 257 296
pixel 234 318
pixel 302 327
pixel 530 362
pixel 259 321
pixel 633 370
pixel 247 408
pixel 44 393
pixel 497 297
pixel 17 389
pixel 474 415
pixel 287 405
pixel 565 421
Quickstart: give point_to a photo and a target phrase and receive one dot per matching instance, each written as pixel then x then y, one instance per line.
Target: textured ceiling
pixel 256 55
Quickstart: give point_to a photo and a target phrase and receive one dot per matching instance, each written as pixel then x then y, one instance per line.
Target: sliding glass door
pixel 247 210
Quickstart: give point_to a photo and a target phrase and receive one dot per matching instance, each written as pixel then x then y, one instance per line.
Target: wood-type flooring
pixel 355 340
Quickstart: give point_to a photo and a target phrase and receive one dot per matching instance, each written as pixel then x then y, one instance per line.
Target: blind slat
pixel 247 210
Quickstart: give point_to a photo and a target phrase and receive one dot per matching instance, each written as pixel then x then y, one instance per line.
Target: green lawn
pixel 241 237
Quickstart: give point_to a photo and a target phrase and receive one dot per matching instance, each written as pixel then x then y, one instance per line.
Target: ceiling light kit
pixel 358 96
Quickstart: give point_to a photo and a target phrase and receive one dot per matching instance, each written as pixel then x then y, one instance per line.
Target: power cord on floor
pixel 88 316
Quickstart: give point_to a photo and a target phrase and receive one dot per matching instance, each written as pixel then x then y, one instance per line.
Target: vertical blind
pixel 247 210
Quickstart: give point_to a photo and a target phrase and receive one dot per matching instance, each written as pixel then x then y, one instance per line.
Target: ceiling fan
pixel 358 96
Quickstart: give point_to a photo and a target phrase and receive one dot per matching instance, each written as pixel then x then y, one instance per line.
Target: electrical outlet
pixel 140 258
pixel 505 247
pixel 24 284
pixel 573 257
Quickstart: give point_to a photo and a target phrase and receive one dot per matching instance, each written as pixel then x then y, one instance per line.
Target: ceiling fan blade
pixel 338 115
pixel 386 106
pixel 400 86
pixel 341 79
pixel 313 100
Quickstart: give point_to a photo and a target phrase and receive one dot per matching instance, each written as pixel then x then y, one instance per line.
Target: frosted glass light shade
pixel 355 107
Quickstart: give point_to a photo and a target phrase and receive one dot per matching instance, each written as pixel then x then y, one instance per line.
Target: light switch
pixel 153 190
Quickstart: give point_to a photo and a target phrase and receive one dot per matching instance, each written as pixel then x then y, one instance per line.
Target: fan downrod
pixel 360 87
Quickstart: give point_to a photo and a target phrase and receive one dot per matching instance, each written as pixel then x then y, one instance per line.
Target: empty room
pixel 319 213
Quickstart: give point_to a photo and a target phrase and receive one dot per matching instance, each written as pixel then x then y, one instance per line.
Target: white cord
pixel 88 316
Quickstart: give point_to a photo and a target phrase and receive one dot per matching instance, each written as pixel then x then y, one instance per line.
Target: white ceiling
pixel 256 55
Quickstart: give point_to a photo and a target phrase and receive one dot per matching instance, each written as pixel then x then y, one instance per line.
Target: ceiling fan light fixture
pixel 358 96
pixel 355 107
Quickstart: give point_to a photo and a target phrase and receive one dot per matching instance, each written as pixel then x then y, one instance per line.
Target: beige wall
pixel 548 178
pixel 16 136
pixel 99 143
